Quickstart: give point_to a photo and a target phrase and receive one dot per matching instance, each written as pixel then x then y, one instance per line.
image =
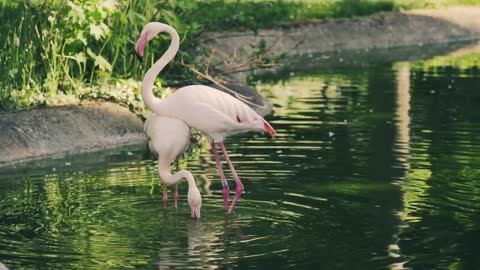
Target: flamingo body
pixel 211 111
pixel 168 139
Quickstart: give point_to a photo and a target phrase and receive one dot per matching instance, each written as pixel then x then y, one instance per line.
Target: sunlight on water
pixel 372 168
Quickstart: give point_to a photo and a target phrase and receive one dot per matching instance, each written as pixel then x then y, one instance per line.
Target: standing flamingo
pixel 168 138
pixel 213 112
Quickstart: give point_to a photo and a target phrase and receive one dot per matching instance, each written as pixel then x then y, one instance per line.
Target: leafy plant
pixel 51 48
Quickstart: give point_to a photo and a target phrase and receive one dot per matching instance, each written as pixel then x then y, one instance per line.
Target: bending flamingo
pixel 168 138
pixel 206 109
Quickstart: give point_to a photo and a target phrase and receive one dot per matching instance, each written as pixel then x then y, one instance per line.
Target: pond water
pixel 373 167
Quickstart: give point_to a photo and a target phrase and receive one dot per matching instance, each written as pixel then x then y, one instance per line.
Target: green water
pixel 373 168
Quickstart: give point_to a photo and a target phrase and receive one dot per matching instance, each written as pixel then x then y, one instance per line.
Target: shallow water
pixel 373 167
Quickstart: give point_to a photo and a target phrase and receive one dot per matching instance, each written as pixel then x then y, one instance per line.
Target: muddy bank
pixel 60 130
pixel 236 52
pixel 361 58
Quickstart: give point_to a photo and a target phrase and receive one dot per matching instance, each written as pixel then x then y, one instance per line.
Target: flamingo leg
pixel 238 182
pixel 175 196
pixel 165 195
pixel 226 189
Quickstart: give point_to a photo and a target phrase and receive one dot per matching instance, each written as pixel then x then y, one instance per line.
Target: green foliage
pixel 468 63
pixel 54 48
pixel 51 48
pixel 349 8
pixel 57 47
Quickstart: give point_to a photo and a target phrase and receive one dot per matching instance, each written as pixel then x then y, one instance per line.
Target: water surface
pixel 373 167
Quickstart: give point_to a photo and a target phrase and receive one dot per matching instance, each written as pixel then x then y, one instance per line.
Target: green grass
pixel 73 48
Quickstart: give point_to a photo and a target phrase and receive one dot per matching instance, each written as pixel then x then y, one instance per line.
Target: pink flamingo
pixel 168 138
pixel 213 112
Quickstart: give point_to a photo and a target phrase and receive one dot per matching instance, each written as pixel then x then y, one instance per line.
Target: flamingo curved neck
pixel 169 179
pixel 153 102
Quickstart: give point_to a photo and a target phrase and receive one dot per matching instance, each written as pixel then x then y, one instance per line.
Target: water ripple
pixel 372 168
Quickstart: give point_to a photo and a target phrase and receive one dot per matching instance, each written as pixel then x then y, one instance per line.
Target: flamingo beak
pixel 140 46
pixel 268 128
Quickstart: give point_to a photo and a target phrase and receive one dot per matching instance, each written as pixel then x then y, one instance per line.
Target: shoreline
pixel 41 133
pixel 236 51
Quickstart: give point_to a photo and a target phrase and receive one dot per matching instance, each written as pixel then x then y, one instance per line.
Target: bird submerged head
pixel 195 201
pixel 149 32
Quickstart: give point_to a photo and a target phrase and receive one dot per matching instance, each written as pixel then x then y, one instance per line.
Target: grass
pixel 59 50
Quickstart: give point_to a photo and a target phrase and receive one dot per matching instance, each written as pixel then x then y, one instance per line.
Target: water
pixel 373 167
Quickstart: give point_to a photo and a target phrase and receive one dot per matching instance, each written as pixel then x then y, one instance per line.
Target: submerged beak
pixel 196 212
pixel 140 46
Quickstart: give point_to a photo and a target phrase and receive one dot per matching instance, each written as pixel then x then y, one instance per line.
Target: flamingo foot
pixel 175 199
pixel 238 192
pixel 165 199
pixel 226 192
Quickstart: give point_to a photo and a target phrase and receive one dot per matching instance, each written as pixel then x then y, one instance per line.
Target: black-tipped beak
pixel 139 57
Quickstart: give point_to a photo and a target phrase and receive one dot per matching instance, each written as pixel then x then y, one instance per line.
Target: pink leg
pixel 165 194
pixel 226 189
pixel 238 182
pixel 175 196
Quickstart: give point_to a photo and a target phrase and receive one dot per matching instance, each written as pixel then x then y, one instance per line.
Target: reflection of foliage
pixel 462 62
pixel 76 219
pixel 440 188
pixel 72 208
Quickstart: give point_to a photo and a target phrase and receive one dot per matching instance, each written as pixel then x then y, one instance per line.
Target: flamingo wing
pixel 207 119
pixel 214 112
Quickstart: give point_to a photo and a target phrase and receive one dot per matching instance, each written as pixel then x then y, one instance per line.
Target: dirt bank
pixel 60 130
pixel 235 52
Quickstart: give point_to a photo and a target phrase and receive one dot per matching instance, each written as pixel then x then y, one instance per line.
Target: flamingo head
pixel 149 32
pixel 195 201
